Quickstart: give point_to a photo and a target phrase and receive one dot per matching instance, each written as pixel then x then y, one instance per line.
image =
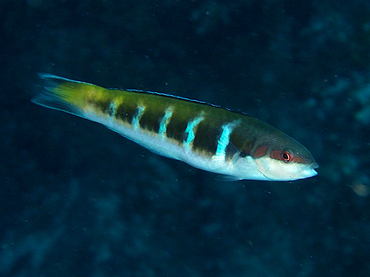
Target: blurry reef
pixel 79 200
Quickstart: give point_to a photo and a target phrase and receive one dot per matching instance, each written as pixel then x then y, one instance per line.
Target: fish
pixel 205 136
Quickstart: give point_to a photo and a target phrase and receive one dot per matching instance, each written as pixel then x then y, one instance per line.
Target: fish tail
pixel 64 94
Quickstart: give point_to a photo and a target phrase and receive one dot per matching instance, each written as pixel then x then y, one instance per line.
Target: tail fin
pixel 62 94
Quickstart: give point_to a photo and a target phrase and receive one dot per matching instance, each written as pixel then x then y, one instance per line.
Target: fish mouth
pixel 313 165
pixel 310 171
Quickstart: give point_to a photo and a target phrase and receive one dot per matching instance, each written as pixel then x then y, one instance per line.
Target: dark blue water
pixel 79 200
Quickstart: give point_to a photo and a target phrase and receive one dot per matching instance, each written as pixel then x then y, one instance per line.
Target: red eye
pixel 286 156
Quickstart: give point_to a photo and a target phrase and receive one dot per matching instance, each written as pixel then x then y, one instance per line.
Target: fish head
pixel 284 159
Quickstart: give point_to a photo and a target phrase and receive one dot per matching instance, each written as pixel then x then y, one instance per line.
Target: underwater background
pixel 79 200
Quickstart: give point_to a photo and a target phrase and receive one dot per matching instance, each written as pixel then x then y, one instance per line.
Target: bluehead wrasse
pixel 202 135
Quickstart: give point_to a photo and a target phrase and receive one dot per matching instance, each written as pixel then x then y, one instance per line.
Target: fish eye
pixel 286 156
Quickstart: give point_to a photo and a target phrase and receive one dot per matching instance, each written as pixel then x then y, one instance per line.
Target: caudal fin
pixel 60 93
